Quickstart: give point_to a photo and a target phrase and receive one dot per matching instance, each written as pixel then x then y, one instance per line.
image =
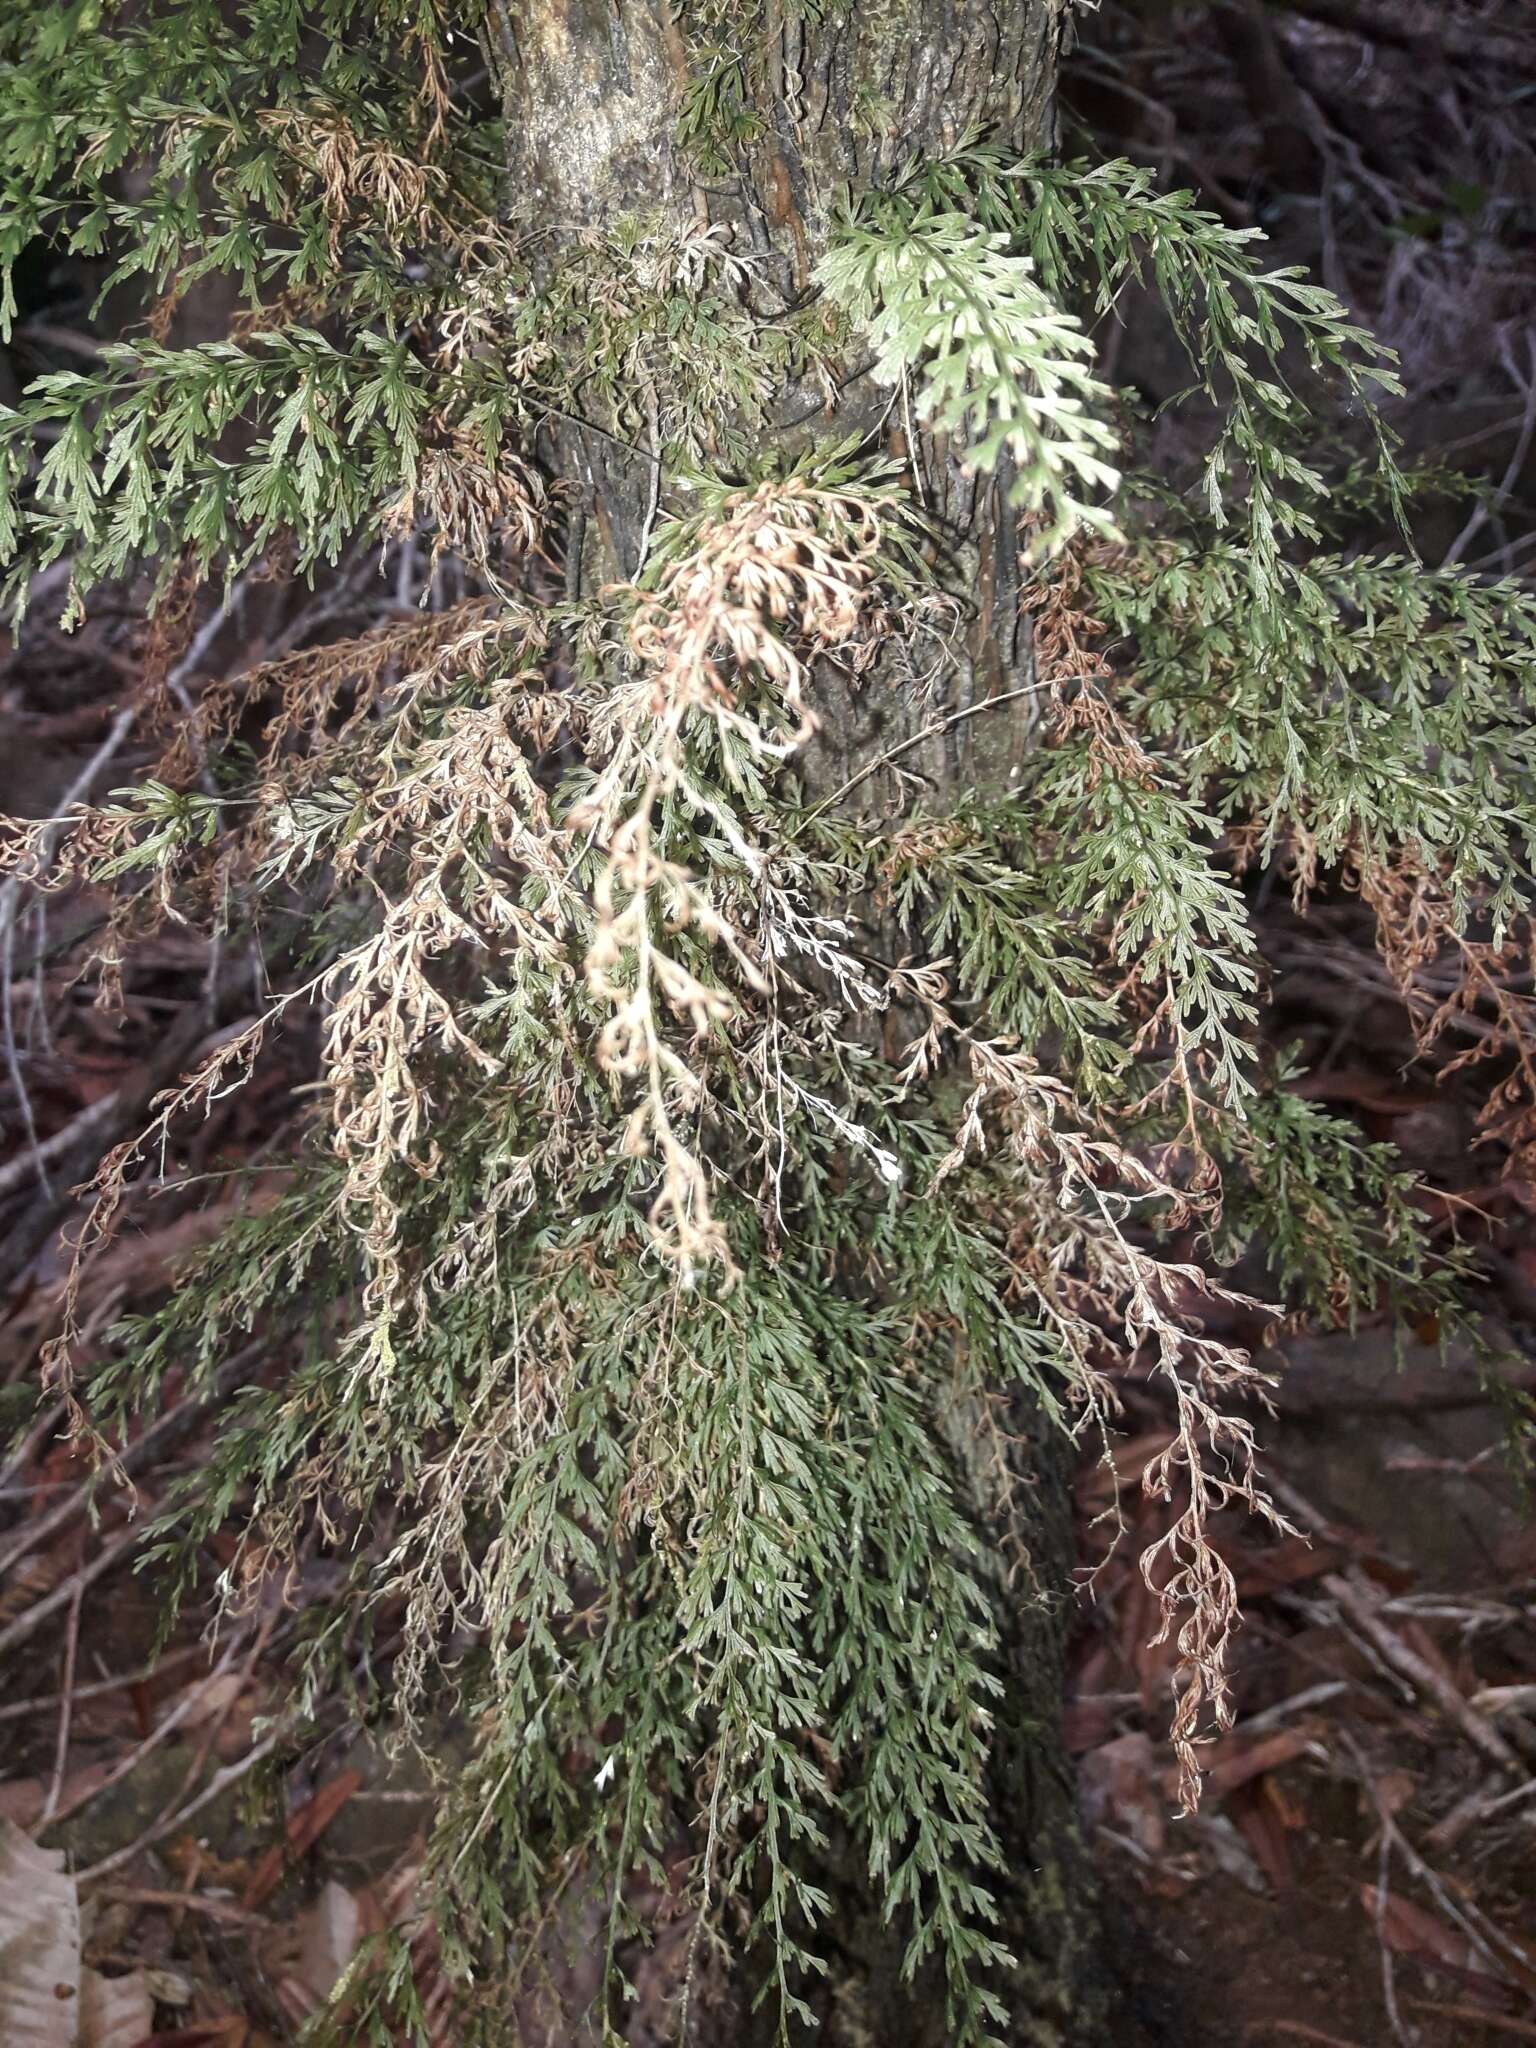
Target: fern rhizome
pixel 790 1024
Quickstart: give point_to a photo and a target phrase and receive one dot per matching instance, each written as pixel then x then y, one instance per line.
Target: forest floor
pixel 1361 1870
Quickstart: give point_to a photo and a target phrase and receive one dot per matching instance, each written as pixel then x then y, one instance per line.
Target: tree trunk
pixel 592 91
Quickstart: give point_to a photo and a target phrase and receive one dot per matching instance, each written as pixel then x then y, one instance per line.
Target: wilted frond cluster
pixel 699 1159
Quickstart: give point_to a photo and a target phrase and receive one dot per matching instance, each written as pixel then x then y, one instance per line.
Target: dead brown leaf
pixel 47 1999
pixel 1237 1758
pixel 1264 1819
pixel 305 1827
pixel 115 2012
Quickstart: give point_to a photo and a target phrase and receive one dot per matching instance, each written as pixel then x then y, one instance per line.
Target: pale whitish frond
pixel 994 362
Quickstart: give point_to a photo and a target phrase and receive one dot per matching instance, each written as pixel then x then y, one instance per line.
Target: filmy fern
pixel 698 1160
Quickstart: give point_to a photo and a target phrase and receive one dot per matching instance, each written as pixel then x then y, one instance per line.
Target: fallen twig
pixel 1481 2015
pixel 1479 1806
pixel 1356 1598
pixel 1298 1703
pixel 35 1437
pixel 1486 1938
pixel 27 1625
pixel 1294 2030
pixel 1361 1603
pixel 11 893
pixel 15 1171
pixel 17 1710
pixel 167 1824
pixel 195 1902
pixel 160 1437
pixel 36 1225
pixel 129 1763
pixel 66 1707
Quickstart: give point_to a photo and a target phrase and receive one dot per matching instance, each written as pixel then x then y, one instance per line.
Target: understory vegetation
pixel 702 1159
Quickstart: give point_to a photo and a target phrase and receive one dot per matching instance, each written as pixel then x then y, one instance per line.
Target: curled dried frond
pixel 1462 971
pixel 482 508
pixel 361 178
pixel 470 824
pixel 1091 1278
pixel 310 686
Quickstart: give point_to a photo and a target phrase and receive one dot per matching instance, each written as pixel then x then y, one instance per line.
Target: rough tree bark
pixel 592 91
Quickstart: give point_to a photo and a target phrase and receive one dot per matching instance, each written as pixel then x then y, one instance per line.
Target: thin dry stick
pixel 1479 1806
pixel 18 1710
pixel 1356 1598
pixel 194 1902
pixel 14 1172
pixel 927 732
pixel 1505 1699
pixel 216 1721
pixel 26 1625
pixel 11 892
pixel 1383 1897
pixel 43 1428
pixel 66 1708
pixel 1297 1703
pixel 10 903
pixel 1491 501
pixel 34 1151
pixel 1497 2022
pixel 157 1831
pixel 1486 1938
pixel 1295 2030
pixel 151 1742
